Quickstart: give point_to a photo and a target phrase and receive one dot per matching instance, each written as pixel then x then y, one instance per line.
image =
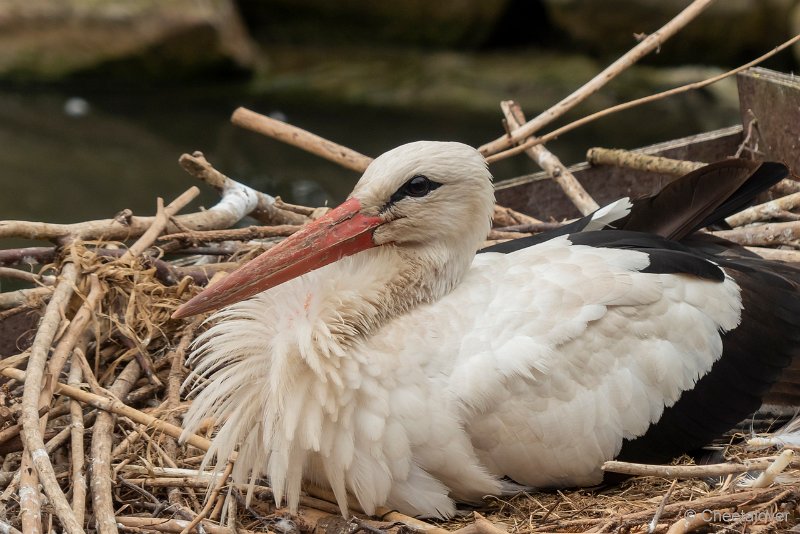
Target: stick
pixel 211 498
pixel 640 162
pixel 792 256
pixel 300 138
pixel 507 217
pixel 102 434
pixel 633 103
pixel 686 471
pixel 163 215
pixel 767 210
pixel 24 297
pixel 550 163
pixel 171 525
pixel 235 234
pixel 651 527
pixel 115 406
pixel 29 497
pixel 263 208
pixel 29 416
pixel 76 445
pixel 647 45
pixel 763 234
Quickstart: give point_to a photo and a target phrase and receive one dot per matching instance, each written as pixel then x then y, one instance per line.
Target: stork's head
pixel 419 196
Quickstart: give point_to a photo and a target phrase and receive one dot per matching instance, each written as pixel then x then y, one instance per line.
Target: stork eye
pixel 417 186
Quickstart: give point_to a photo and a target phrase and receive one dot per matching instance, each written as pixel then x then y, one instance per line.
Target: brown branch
pixel 686 471
pixel 102 434
pixel 163 215
pixel 29 415
pixel 173 525
pixel 791 256
pixel 27 255
pixel 497 156
pixel 767 210
pixel 30 502
pixel 220 483
pixel 235 234
pixel 300 138
pixel 117 407
pixel 642 162
pixel 550 163
pixel 507 217
pixel 263 205
pixel 76 445
pixel 24 297
pixel 787 233
pixel 647 45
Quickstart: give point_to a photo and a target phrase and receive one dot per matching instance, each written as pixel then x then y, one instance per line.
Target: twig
pixel 497 156
pixel 507 217
pixel 27 255
pixel 29 416
pixel 5 528
pixel 686 471
pixel 163 215
pixel 67 343
pixel 24 297
pixel 173 525
pixel 115 406
pixel 102 434
pixel 550 163
pixel 691 522
pixel 76 445
pixel 767 210
pixel 30 503
pixel 25 276
pixel 647 45
pixel 786 233
pixel 300 138
pixel 261 205
pixel 211 498
pixel 651 527
pixel 641 162
pixel 792 256
pixel 251 232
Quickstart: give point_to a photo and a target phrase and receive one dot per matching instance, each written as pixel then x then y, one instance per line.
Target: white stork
pixel 380 356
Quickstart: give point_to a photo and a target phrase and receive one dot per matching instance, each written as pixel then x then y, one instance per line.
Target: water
pixel 84 153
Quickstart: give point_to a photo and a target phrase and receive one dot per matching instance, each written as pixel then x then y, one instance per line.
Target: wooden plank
pixel 774 99
pixel 531 193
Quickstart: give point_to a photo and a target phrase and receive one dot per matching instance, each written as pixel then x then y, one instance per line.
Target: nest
pixel 95 365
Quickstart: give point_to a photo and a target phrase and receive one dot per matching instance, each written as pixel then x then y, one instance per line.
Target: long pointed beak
pixel 341 232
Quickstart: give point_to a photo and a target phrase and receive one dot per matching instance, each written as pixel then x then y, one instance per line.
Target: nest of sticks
pixel 91 400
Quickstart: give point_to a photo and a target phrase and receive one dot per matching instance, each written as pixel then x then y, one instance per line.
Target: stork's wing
pixel 583 349
pixel 701 198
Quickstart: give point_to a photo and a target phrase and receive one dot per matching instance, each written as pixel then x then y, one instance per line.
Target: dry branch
pixel 647 45
pixel 787 233
pixel 687 471
pixel 101 483
pixel 642 162
pixel 29 416
pixel 117 407
pixel 497 156
pixel 300 138
pixel 765 211
pixel 550 163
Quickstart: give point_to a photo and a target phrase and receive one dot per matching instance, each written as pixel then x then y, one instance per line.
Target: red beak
pixel 341 232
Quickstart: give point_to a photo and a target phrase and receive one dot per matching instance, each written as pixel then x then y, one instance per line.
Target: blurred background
pixel 98 98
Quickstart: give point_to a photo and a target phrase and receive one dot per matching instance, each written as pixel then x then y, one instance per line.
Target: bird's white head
pixel 429 200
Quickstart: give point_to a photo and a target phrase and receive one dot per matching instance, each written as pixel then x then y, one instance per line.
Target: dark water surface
pixel 123 153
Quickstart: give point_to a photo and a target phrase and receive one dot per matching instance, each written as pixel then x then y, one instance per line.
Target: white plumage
pixel 415 373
